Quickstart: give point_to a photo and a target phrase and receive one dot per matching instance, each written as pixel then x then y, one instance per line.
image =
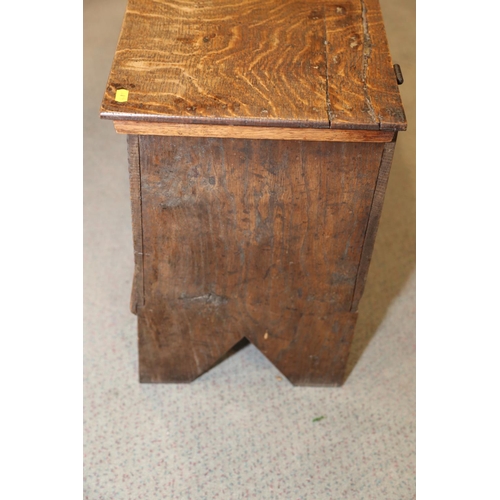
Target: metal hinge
pixel 399 74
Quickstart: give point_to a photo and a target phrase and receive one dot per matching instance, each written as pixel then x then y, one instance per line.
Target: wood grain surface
pixel 251 61
pixel 362 87
pixel 283 63
pixel 256 239
pixel 242 132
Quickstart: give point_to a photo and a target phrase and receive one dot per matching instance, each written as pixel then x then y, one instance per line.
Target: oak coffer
pixel 260 139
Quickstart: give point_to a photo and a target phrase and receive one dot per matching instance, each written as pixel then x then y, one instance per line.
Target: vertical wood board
pixel 260 239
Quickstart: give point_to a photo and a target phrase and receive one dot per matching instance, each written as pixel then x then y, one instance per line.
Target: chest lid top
pixel 285 63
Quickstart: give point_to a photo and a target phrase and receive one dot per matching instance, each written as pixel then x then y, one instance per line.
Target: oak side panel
pixel 256 239
pixel 373 222
pixel 137 297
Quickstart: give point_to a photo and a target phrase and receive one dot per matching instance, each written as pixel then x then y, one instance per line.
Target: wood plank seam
pixel 367 51
pixel 327 84
pixel 372 223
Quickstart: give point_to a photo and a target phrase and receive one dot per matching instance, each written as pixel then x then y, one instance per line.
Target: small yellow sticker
pixel 121 95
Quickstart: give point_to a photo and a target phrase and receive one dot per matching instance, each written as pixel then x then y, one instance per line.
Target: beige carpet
pixel 238 431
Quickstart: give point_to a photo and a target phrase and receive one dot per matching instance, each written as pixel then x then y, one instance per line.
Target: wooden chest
pixel 260 139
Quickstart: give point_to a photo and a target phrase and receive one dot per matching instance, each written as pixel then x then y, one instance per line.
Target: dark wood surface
pixel 134 169
pixel 257 239
pixel 285 63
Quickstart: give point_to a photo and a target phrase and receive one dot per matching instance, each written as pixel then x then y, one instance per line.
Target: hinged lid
pixel 281 63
